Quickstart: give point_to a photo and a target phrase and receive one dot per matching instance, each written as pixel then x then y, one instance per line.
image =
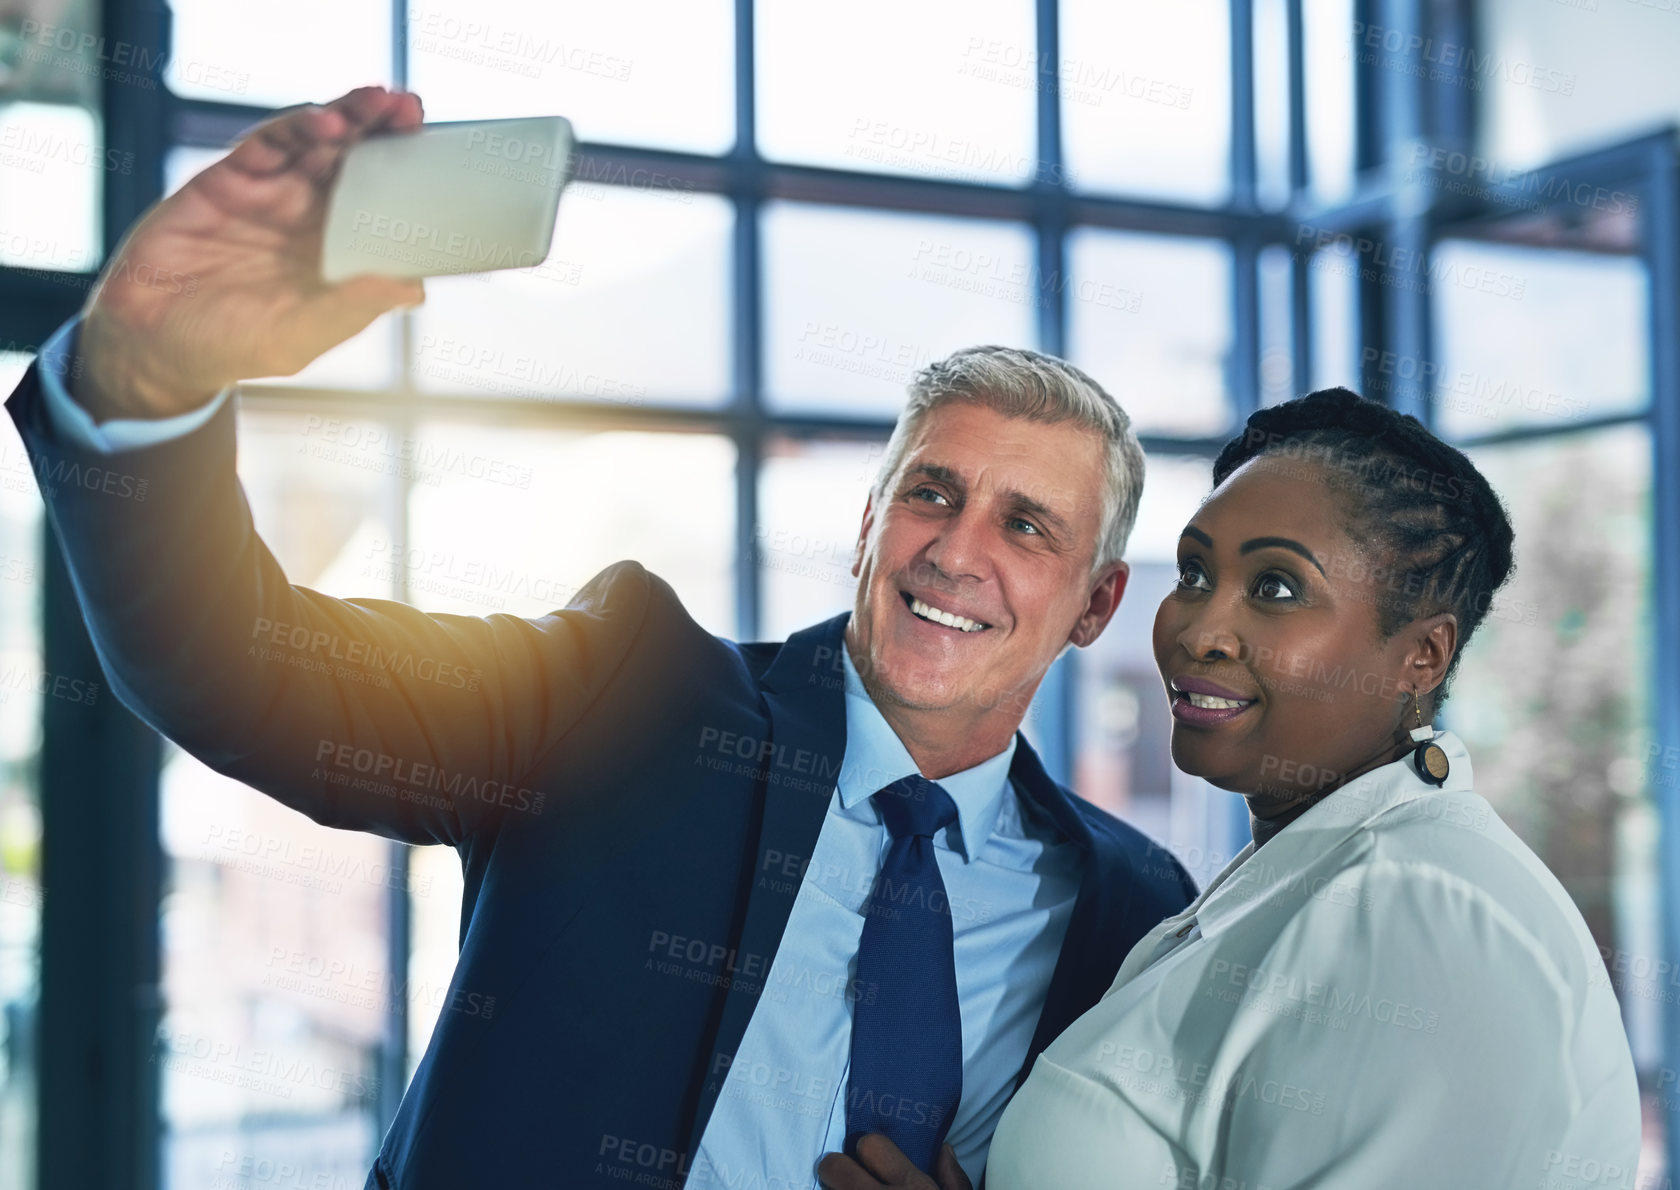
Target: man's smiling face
pixel 975 564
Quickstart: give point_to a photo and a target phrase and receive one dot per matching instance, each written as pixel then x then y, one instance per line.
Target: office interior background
pixel 1467 208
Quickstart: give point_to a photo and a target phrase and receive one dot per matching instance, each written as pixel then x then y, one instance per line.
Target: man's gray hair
pixel 1028 384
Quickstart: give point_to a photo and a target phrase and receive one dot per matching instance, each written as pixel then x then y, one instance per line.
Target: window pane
pixel 1173 488
pixel 1147 110
pixel 631 306
pixel 1277 322
pixel 365 361
pixel 1569 78
pixel 273 928
pixel 1530 336
pixel 1271 102
pixel 303 51
pixel 513 540
pixel 942 88
pixel 1553 697
pixel 1329 62
pixel 856 302
pixel 1124 729
pixel 810 499
pixel 517 520
pixel 181 164
pixel 646 72
pixel 45 53
pixel 54 160
pixel 20 814
pixel 1151 320
pixel 1333 299
pixel 435 886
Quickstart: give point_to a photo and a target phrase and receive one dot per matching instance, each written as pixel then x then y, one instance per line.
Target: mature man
pixel 738 905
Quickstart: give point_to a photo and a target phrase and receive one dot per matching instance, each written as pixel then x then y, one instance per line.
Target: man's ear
pixel 863 535
pixel 1106 591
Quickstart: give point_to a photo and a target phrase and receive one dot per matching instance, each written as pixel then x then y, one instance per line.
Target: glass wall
pixel 1543 371
pixel 54 162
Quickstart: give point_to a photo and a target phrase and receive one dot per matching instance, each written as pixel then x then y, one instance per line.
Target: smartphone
pixel 467 196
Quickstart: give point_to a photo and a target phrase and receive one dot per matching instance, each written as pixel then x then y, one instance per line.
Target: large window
pixel 54 163
pixel 1543 370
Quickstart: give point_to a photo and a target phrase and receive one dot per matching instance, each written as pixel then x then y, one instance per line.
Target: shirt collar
pixel 1257 873
pixel 875 757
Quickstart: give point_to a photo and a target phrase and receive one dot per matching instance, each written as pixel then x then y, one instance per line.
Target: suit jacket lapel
pixel 1079 965
pixel 804 695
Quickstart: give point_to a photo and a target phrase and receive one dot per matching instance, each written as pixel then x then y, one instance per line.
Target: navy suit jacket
pixel 627 793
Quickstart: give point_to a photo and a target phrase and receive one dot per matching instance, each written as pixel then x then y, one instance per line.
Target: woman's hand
pixel 881 1163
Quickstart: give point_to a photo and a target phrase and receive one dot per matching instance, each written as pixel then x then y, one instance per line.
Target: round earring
pixel 1428 758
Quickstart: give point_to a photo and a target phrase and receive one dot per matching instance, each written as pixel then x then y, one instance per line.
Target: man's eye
pixel 1274 587
pixel 929 494
pixel 1017 522
pixel 1190 576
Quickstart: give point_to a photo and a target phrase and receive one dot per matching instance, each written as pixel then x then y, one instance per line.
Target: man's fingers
pixel 312 137
pixel 839 1172
pixel 884 1159
pixel 949 1173
pixel 275 144
pixel 879 1163
pixel 366 113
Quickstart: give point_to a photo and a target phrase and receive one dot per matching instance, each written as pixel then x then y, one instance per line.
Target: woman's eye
pixel 1190 576
pixel 1274 586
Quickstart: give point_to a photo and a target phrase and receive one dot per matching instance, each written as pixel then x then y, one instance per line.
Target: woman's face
pixel 1276 609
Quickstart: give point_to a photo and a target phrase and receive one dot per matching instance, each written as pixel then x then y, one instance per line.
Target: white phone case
pixel 461 197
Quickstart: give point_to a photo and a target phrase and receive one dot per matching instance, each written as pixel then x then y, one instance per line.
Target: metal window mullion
pixel 745 186
pixel 1402 324
pixel 1368 103
pixel 1243 372
pixel 1300 303
pixel 1242 378
pixel 1048 214
pixel 1297 98
pixel 102 860
pixel 1244 166
pixel 399 908
pixel 1660 225
pixel 1523 434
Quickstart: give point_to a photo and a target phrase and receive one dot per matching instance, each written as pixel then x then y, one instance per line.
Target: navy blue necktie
pixel 906 1073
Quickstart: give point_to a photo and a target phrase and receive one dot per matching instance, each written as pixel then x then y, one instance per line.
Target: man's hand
pixel 241 243
pixel 880 1163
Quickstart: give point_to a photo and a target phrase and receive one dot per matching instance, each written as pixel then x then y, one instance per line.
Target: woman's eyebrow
pixel 1260 543
pixel 1256 543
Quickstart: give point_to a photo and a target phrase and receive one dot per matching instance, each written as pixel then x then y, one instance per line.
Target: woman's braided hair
pixel 1440 536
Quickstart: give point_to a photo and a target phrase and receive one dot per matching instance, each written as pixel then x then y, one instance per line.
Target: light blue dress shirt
pixel 75 423
pixel 1011 880
pixel 1010 877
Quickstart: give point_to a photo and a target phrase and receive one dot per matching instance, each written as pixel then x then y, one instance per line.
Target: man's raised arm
pixel 363 713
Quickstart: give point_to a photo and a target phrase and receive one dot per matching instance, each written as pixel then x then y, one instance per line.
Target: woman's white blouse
pixel 1392 992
